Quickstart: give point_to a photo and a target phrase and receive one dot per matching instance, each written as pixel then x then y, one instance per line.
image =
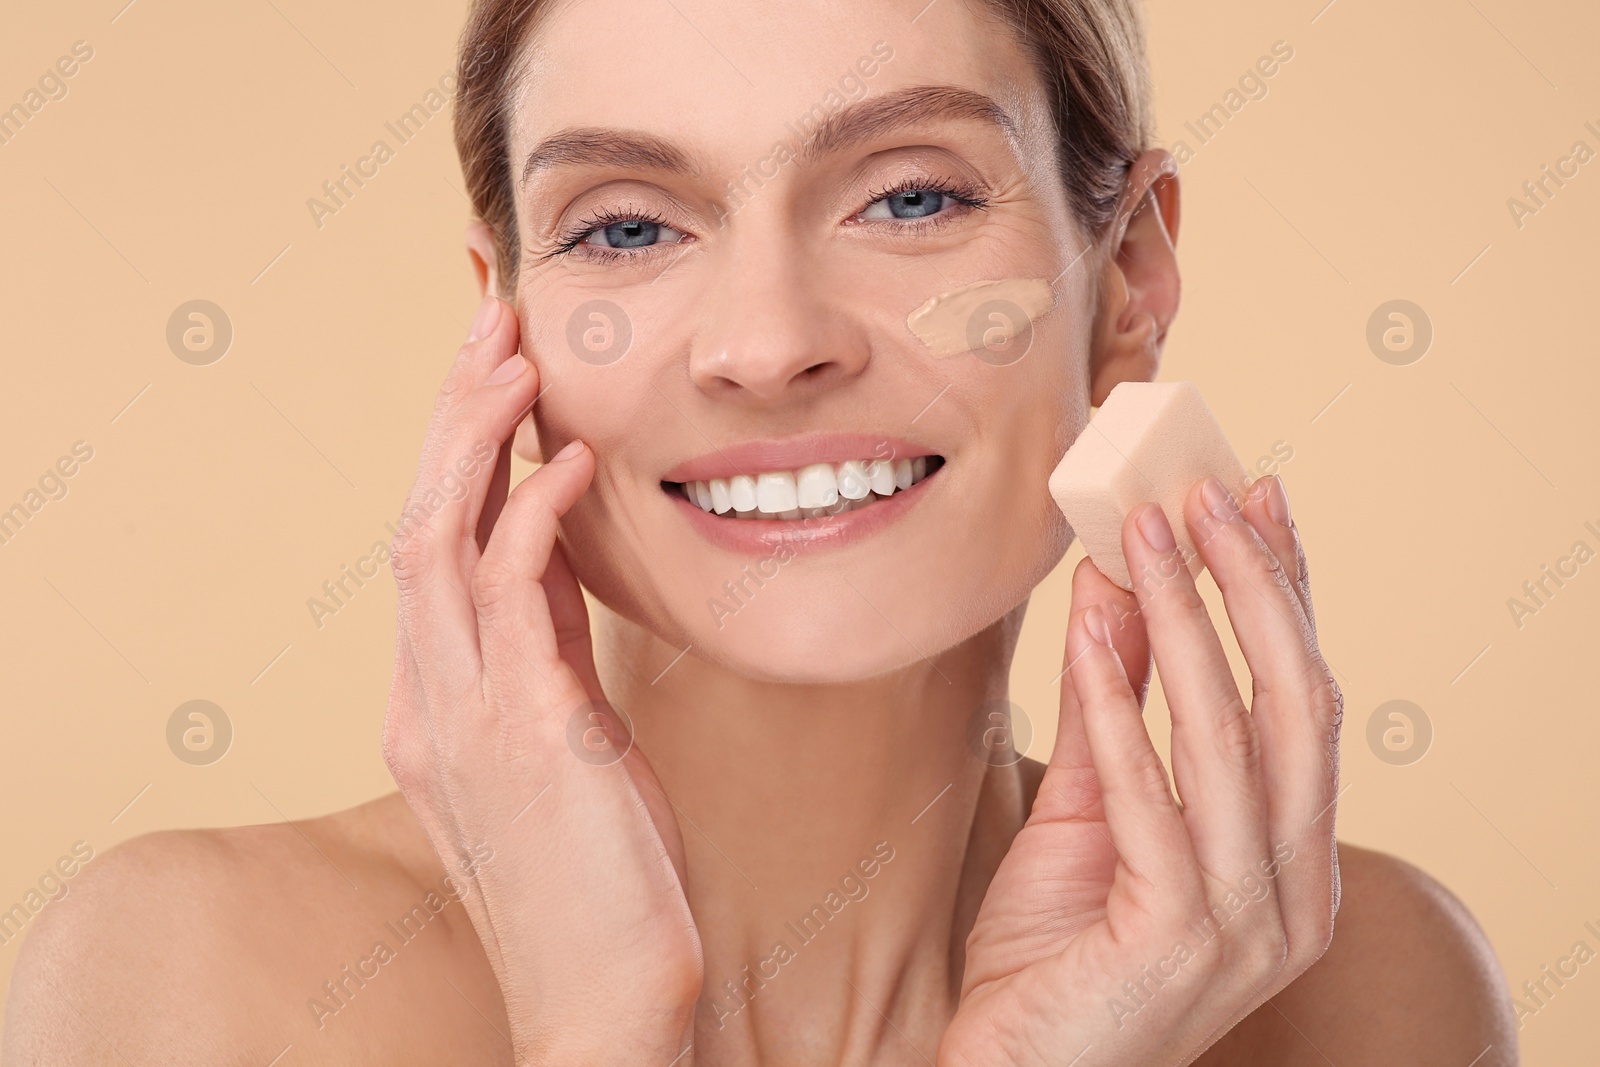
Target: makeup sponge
pixel 1148 441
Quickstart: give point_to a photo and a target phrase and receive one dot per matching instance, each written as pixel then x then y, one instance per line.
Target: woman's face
pixel 710 293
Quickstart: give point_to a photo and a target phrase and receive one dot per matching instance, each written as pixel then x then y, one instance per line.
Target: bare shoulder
pixel 217 945
pixel 1409 977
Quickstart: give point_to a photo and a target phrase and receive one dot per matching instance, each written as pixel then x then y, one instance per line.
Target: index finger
pixel 487 390
pixel 1070 760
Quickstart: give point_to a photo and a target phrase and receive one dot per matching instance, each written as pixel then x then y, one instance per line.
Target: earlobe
pixel 1140 287
pixel 485 256
pixel 525 443
pixel 1128 340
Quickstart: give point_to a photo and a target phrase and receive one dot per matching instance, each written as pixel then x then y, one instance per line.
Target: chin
pixel 831 640
pixel 841 615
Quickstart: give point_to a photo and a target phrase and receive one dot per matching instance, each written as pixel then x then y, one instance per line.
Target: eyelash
pixel 575 238
pixel 582 230
pixel 960 192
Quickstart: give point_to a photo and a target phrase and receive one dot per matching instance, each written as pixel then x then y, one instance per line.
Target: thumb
pixel 1121 608
pixel 1128 637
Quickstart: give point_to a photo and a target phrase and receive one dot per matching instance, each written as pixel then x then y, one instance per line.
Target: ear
pixel 485 257
pixel 1139 287
pixel 525 442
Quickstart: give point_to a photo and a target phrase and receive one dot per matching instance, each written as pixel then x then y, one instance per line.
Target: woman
pixel 705 246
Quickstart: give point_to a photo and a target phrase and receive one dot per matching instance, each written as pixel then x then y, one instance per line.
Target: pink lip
pixel 792 453
pixel 763 537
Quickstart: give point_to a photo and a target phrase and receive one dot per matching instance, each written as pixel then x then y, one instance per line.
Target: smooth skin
pixel 566 907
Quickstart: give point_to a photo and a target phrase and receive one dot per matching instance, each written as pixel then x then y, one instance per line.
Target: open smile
pixel 819 490
pixel 815 491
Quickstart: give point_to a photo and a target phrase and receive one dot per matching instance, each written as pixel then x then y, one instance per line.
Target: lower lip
pixel 763 537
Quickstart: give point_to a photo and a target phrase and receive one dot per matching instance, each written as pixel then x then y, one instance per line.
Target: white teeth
pixel 880 473
pixel 815 491
pixel 775 492
pixel 816 486
pixel 719 496
pixel 853 481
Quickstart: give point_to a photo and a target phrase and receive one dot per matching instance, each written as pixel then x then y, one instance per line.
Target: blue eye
pixel 919 199
pixel 613 235
pixel 915 203
pixel 633 233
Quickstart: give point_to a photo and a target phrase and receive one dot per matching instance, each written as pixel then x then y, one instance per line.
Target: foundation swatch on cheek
pixel 980 315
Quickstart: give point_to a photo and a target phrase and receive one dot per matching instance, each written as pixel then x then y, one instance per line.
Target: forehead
pixel 727 78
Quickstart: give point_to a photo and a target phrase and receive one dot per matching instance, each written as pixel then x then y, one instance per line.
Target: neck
pixel 829 830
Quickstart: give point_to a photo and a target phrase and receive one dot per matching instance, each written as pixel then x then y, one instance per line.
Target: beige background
pixel 220 498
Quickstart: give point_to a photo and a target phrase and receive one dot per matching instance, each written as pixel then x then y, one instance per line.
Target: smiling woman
pixel 786 422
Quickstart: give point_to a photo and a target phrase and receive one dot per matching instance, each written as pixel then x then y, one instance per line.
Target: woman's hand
pixel 1122 928
pixel 504 747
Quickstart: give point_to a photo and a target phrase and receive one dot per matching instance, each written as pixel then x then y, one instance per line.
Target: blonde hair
pixel 1090 54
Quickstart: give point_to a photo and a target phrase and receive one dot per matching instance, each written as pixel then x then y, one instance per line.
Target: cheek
pixel 596 371
pixel 1024 416
pixel 585 406
pixel 564 327
pixel 594 358
pixel 1026 407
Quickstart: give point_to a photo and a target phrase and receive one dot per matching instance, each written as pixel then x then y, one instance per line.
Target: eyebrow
pixel 863 121
pixel 596 146
pixel 871 119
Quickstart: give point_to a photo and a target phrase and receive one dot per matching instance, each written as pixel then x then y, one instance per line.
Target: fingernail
pixel 508 371
pixel 1094 620
pixel 1219 500
pixel 1278 503
pixel 572 449
pixel 484 322
pixel 1153 526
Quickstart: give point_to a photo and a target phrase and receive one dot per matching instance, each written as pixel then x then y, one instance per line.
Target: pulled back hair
pixel 1090 55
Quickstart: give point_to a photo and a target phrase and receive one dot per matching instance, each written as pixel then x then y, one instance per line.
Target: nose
pixel 774 329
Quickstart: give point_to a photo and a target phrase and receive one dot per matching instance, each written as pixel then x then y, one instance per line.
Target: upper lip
pixel 791 453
